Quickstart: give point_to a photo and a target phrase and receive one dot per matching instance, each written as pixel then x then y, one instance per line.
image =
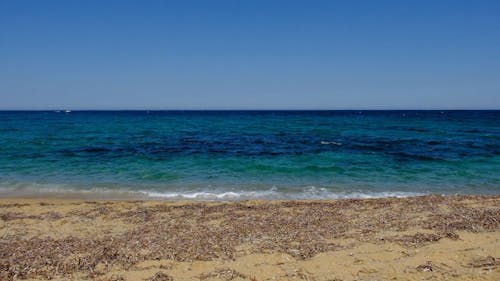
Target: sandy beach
pixel 416 238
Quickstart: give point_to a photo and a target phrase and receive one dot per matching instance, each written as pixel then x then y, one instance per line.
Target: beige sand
pixel 420 238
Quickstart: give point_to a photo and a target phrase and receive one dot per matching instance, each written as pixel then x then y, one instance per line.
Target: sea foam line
pixel 274 193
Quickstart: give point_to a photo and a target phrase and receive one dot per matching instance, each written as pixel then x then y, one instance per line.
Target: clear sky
pixel 249 54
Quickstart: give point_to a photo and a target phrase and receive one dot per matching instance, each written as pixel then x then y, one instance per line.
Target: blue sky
pixel 249 54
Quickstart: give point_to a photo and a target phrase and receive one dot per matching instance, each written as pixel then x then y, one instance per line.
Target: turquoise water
pixel 249 154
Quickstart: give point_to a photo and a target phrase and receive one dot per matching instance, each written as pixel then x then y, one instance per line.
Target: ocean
pixel 235 155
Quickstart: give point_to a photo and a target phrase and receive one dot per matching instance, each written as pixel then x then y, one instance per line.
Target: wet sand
pixel 417 238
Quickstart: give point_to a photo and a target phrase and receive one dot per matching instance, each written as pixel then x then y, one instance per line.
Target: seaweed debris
pixel 214 231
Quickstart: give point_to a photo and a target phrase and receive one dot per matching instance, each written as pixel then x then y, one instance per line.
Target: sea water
pixel 231 155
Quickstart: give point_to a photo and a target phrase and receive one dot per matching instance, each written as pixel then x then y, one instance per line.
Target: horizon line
pixel 256 109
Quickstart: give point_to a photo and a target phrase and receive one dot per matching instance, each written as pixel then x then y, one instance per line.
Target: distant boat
pixel 67 111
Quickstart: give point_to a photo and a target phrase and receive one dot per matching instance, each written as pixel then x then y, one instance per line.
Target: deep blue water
pixel 249 154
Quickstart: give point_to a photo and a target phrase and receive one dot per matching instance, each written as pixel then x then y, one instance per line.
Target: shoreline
pixel 271 194
pixel 445 237
pixel 213 196
pixel 76 197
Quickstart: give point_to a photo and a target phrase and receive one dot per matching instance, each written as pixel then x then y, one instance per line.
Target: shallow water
pixel 249 154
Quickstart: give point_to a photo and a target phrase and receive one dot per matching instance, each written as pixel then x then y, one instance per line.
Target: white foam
pixel 222 195
pixel 331 142
pixel 274 194
pixel 209 194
